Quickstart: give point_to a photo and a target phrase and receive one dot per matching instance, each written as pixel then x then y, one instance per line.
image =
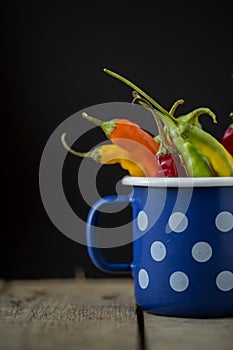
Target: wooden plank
pixel 96 314
pixel 70 314
pixel 166 333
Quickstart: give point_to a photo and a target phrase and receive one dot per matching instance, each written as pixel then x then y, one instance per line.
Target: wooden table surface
pixel 97 314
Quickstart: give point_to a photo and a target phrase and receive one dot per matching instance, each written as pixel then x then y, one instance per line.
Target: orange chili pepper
pixel 125 129
pixel 132 138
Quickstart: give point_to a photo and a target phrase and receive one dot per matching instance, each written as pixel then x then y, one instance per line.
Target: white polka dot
pixel 201 252
pixel 143 278
pixel 178 222
pixel 158 251
pixel 224 281
pixel 224 221
pixel 179 281
pixel 142 221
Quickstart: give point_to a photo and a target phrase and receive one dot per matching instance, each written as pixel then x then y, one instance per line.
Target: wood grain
pixel 96 314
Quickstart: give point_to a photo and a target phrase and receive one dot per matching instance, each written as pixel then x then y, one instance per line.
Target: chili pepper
pixel 227 139
pixel 132 138
pixel 111 154
pixel 124 129
pixel 219 158
pixel 167 166
pixel 196 164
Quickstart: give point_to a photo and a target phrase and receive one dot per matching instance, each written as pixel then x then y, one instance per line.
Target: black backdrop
pixel 53 55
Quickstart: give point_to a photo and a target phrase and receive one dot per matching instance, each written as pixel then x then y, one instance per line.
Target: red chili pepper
pixel 167 166
pixel 227 139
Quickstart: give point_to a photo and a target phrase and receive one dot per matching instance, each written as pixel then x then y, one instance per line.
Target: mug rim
pixel 177 181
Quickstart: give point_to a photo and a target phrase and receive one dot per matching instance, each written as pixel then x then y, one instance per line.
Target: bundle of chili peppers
pixel 182 147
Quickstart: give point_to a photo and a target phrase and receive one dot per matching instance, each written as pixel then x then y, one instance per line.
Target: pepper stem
pixel 164 146
pixel 92 119
pixel 71 150
pixel 175 105
pixel 139 91
pixel 194 115
pixel 192 118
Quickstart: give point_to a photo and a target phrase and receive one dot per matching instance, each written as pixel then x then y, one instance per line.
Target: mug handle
pixel 94 252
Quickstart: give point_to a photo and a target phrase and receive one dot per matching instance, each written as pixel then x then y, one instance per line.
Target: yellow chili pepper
pixel 220 159
pixel 111 154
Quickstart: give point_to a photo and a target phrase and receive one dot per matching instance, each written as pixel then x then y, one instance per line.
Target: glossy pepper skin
pixel 132 138
pixel 227 139
pixel 167 166
pixel 111 154
pixel 196 164
pixel 221 160
pixel 123 130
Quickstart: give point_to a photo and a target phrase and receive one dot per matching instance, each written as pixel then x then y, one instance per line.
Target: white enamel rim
pixel 177 181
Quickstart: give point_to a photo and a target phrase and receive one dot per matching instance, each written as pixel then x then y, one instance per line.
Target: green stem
pixel 196 113
pixel 175 105
pixel 141 92
pixel 92 119
pixel 164 147
pixel 169 122
pixel 94 154
pixel 70 150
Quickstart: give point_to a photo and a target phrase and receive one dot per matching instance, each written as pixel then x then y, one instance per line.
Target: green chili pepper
pixel 195 163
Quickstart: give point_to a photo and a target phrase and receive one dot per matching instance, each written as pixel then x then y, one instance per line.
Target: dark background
pixel 53 55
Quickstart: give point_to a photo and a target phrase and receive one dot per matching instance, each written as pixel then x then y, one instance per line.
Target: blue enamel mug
pixel 182 245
